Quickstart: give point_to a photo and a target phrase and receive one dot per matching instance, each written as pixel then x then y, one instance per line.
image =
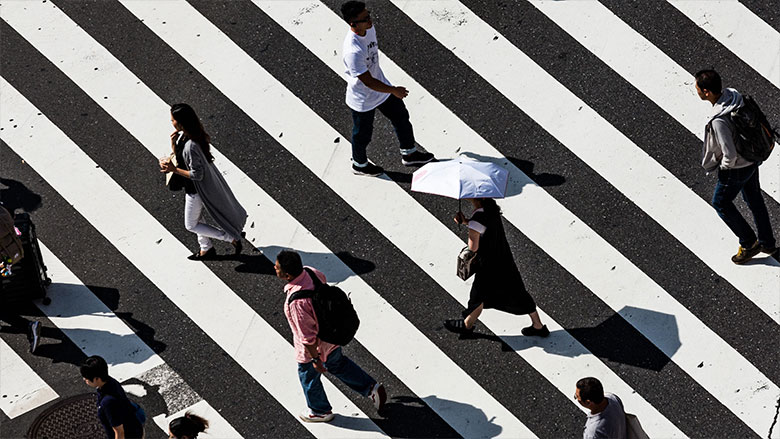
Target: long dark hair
pixel 490 206
pixel 193 128
pixel 188 425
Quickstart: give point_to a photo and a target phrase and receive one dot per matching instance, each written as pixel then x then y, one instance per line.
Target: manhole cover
pixel 74 417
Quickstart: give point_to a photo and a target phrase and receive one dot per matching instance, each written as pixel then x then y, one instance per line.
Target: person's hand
pixel 400 92
pixel 166 166
pixel 319 367
pixel 174 136
pixel 460 218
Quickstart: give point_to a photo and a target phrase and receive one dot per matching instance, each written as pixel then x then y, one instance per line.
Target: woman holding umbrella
pixel 497 283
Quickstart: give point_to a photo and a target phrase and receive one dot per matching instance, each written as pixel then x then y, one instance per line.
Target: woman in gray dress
pixel 204 186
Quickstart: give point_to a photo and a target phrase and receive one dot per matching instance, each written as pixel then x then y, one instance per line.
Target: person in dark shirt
pixel 116 412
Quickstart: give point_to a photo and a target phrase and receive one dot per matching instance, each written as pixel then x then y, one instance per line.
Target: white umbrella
pixel 461 178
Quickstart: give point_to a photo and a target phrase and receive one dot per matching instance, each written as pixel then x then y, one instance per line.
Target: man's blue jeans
pixel 342 368
pixel 363 128
pixel 730 183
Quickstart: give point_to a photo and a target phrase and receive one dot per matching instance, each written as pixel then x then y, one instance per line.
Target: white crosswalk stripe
pixel 464 400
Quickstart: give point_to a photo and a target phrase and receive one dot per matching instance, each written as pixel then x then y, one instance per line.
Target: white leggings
pixel 193 213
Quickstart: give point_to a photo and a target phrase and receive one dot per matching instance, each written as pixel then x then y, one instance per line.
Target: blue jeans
pixel 363 128
pixel 730 183
pixel 342 368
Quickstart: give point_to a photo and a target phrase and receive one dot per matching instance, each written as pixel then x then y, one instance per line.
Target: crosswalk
pixel 625 258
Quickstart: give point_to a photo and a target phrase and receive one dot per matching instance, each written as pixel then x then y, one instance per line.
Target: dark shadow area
pixel 765 259
pixel 250 263
pixel 411 408
pixel 613 340
pixel 400 177
pixel 16 196
pixel 544 179
pixel 143 331
pixel 474 422
pixel 325 262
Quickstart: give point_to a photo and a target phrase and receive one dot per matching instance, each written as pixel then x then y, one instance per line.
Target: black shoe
pixel 458 326
pixel 529 331
pixel 34 335
pixel 209 255
pixel 745 254
pixel 238 244
pixel 417 158
pixel 369 170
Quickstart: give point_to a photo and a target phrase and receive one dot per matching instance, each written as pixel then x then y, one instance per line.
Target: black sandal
pixel 531 331
pixel 209 255
pixel 458 326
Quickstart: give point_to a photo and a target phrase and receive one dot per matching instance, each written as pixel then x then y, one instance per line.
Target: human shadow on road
pixel 17 196
pixel 614 339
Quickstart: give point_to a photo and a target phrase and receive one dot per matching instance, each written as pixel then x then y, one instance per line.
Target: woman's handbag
pixel 175 182
pixel 468 263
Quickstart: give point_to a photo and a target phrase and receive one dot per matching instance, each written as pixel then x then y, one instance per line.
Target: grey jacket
pixel 719 150
pixel 219 200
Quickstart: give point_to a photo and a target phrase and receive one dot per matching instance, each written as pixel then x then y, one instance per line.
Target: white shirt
pixel 361 55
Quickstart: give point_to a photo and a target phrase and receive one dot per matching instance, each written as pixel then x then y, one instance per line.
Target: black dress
pixel 497 283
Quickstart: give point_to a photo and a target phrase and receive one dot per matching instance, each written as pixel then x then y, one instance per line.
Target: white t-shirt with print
pixel 361 55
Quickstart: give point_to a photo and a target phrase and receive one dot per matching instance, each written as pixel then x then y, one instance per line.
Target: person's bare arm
pixel 119 432
pixel 377 85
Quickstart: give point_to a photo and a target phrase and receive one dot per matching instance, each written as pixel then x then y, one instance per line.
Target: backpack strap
pixel 302 294
pixel 306 294
pixel 315 280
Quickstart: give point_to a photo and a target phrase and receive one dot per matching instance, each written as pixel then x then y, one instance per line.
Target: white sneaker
pixel 309 416
pixel 378 395
pixel 34 336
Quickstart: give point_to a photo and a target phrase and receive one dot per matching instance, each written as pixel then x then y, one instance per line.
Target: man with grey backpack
pixel 737 139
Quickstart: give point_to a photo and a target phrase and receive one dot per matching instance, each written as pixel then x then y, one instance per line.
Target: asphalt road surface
pixel 589 105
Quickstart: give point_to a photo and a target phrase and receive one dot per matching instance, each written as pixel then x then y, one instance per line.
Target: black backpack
pixel 753 136
pixel 336 316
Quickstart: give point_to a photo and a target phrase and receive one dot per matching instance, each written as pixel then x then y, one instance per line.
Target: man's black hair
pixel 351 9
pixel 591 390
pixel 709 79
pixel 94 367
pixel 290 262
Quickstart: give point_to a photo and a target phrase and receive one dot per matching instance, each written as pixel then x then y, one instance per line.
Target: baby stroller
pixel 23 273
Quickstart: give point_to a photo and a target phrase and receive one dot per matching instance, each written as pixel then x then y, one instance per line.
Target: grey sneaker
pixel 369 170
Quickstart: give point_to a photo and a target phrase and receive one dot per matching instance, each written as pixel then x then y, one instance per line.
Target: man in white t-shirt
pixel 369 90
pixel 607 418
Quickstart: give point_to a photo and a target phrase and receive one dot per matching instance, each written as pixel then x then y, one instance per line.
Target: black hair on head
pixel 591 390
pixel 709 80
pixel 351 9
pixel 290 262
pixel 193 128
pixel 94 367
pixel 188 425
